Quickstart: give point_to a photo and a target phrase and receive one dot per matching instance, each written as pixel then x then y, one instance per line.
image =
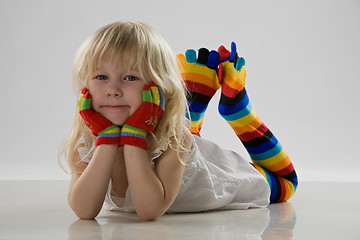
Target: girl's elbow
pixel 85 215
pixel 149 215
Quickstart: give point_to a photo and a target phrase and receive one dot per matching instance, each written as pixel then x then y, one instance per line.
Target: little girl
pixel 131 147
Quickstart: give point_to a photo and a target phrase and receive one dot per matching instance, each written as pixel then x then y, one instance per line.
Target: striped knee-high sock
pixel 267 155
pixel 200 76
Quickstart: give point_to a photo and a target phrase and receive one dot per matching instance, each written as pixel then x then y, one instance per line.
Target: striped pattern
pixel 134 136
pixel 106 131
pixel 267 155
pixel 110 135
pixel 200 75
pixel 143 122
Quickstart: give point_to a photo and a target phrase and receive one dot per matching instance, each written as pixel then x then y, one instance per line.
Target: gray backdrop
pixel 302 61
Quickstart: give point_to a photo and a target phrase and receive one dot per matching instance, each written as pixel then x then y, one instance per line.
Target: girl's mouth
pixel 114 106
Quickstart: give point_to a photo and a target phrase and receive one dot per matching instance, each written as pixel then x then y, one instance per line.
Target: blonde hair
pixel 143 49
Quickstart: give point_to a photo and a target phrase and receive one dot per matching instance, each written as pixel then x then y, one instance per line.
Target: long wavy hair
pixel 143 49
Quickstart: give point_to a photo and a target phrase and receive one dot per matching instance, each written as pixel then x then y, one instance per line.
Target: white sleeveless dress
pixel 213 179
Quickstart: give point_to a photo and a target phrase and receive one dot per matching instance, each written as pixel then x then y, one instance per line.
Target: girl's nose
pixel 114 92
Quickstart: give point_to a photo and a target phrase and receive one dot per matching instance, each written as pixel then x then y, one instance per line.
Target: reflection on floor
pixel 38 210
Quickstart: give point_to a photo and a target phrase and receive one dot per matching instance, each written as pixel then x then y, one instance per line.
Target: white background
pixel 302 58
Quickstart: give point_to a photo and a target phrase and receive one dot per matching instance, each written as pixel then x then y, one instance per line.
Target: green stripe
pixel 147 96
pixel 86 103
pixel 127 128
pixel 110 130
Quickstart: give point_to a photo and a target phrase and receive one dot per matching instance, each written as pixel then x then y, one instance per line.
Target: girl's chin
pixel 117 117
pixel 119 123
pixel 116 121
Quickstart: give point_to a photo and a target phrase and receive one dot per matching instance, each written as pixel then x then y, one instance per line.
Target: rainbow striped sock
pixel 200 76
pixel 266 153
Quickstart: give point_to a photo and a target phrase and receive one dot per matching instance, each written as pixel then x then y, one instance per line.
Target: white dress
pixel 213 179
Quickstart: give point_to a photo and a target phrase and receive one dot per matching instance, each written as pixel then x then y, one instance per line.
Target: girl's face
pixel 116 92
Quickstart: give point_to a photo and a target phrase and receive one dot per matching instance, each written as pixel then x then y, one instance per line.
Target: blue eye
pixel 130 78
pixel 101 77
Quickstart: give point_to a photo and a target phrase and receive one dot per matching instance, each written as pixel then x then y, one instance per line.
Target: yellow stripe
pixel 289 189
pixel 181 61
pixel 186 67
pixel 273 160
pixel 81 97
pixel 114 130
pixel 137 132
pixel 244 120
pixel 197 73
pixel 280 165
pixel 261 170
pixel 251 127
pixel 234 78
pixel 197 124
pixel 198 69
pixel 155 95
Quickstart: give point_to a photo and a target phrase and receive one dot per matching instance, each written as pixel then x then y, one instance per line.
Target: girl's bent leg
pixel 267 155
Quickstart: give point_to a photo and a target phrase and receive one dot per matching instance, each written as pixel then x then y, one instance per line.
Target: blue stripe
pixel 197 107
pixel 270 178
pixel 110 135
pixel 162 101
pixel 196 116
pixel 127 134
pixel 228 110
pixel 272 183
pixel 238 115
pixel 294 182
pixel 263 147
pixel 273 187
pixel 187 115
pixel 268 154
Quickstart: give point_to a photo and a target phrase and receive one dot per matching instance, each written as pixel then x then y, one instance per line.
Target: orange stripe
pixel 289 190
pixel 288 169
pixel 251 127
pixel 200 78
pixel 280 165
pixel 234 78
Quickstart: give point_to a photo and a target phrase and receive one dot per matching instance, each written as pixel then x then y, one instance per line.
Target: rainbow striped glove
pixel 106 131
pixel 143 122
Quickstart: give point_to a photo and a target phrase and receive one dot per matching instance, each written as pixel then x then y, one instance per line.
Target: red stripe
pixel 107 140
pixel 200 88
pixel 285 171
pixel 229 91
pixel 259 132
pixel 282 190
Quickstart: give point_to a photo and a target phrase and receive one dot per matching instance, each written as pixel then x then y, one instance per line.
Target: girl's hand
pixel 143 122
pixel 106 131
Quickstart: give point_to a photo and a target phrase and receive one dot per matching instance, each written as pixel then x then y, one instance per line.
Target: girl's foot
pixel 201 78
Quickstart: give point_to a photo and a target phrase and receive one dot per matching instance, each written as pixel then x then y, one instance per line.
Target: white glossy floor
pixel 38 210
